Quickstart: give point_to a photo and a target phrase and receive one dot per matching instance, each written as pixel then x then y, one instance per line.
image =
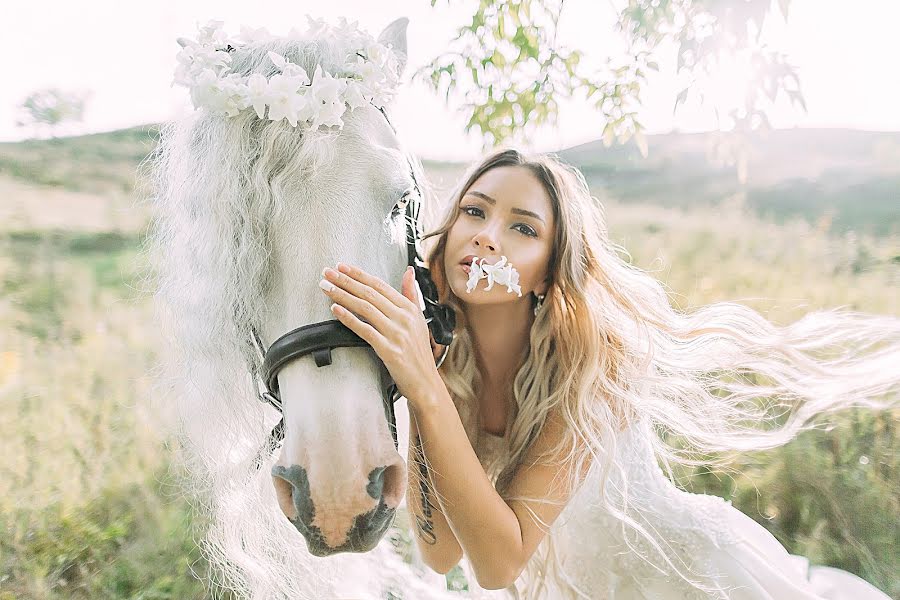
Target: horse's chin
pixel 362 538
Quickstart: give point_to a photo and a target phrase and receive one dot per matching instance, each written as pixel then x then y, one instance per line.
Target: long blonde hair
pixel 608 350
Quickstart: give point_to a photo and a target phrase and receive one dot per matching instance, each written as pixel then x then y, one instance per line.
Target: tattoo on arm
pixel 424 522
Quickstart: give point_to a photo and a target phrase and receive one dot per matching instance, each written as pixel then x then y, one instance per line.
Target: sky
pixel 122 53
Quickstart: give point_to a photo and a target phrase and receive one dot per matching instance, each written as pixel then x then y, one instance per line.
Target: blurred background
pixel 744 150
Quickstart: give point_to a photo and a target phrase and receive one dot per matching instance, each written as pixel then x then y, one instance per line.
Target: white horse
pixel 249 213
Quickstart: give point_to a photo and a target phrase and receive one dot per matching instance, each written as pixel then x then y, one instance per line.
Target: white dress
pixel 591 554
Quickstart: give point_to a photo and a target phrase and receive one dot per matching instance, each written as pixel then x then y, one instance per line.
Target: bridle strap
pixel 317 339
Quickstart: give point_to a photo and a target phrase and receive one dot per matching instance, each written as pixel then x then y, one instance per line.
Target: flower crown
pixel 370 73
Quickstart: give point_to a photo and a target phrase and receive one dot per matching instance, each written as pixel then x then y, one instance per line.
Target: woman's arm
pixel 439 547
pixel 498 538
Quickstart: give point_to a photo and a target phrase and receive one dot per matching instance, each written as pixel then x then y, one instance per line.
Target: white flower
pixel 213 33
pixel 183 76
pixel 214 59
pixel 369 75
pixel 258 94
pixel 357 94
pixel 377 53
pixel 187 54
pixel 391 69
pixel 278 59
pixel 234 94
pixel 504 274
pixel 325 96
pixel 295 70
pixel 381 80
pixel 350 32
pixel 385 59
pixel 316 27
pixel 489 271
pixel 475 275
pixel 193 59
pixel 284 98
pixel 500 272
pixel 366 68
pixel 254 36
pixel 205 91
pixel 288 68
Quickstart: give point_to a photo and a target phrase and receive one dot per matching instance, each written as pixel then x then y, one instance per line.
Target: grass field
pixel 88 502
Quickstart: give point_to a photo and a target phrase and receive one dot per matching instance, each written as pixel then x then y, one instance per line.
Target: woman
pixel 534 446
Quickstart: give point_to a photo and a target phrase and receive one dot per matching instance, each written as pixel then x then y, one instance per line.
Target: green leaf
pixel 477 21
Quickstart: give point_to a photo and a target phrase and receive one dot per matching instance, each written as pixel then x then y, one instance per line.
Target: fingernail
pixel 326 285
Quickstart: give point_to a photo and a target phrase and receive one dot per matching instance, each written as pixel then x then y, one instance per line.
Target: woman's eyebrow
pixel 516 211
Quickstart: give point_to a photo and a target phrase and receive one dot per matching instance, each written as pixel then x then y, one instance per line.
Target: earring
pixel 539 303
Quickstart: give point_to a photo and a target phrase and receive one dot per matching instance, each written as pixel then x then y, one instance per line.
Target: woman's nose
pixel 485 240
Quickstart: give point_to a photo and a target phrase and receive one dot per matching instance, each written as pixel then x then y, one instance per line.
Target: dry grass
pixel 28 208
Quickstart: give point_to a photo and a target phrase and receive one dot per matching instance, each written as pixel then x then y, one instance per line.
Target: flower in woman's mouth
pixel 501 272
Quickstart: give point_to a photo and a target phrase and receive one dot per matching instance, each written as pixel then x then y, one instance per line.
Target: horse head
pixel 257 208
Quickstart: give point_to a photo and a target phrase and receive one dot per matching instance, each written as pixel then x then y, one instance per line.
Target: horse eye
pixel 403 201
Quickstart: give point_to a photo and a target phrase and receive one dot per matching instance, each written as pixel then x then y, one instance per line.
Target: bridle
pixel 320 338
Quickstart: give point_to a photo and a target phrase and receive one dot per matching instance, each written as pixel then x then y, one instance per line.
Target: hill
pixel 850 178
pixel 840 179
pixel 99 163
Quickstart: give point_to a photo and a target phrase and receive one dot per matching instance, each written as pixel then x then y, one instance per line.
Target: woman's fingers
pixel 357 281
pixel 362 302
pixel 359 327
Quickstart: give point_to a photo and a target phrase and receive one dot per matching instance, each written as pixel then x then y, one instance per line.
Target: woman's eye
pixel 525 229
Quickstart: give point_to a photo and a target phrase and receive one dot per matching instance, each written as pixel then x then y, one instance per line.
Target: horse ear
pixel 394 35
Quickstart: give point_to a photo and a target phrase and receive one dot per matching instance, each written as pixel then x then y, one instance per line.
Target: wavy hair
pixel 608 351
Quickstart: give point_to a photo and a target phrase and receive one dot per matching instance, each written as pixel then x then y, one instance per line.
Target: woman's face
pixel 505 212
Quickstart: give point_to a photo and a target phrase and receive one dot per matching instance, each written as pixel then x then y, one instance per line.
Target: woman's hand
pixel 390 321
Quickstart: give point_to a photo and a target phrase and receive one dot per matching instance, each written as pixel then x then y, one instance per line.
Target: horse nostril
pixel 388 484
pixel 292 491
pixel 376 483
